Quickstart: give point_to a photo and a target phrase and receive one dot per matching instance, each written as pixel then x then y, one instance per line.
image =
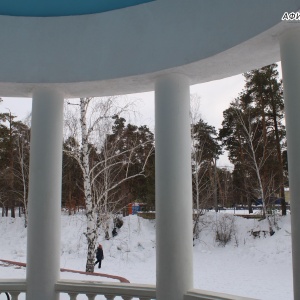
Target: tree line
pixel 117 158
pixel 14 162
pixel 109 162
pixel 252 132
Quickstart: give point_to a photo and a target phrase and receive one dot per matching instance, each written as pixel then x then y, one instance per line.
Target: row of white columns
pixel 173 181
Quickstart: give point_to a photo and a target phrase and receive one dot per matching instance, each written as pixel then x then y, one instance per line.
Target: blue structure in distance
pixel 58 8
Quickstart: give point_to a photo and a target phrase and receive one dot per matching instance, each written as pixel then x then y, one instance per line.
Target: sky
pixel 215 97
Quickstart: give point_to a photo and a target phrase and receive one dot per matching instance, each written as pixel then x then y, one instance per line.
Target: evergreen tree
pixel 14 159
pixel 266 90
pixel 140 142
pixel 232 136
pixel 253 133
pixel 205 151
pixel 72 187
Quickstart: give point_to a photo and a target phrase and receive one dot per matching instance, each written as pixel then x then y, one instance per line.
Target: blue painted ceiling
pixel 55 8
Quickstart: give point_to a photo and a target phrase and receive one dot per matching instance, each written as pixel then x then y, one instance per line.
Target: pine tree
pixel 205 151
pixel 14 157
pixel 265 90
pixel 72 187
pixel 253 133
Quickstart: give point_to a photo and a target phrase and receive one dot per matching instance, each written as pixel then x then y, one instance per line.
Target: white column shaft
pixel 174 227
pixel 290 59
pixel 44 209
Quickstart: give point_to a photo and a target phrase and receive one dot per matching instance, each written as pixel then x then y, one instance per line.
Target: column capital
pixel 41 89
pixel 171 77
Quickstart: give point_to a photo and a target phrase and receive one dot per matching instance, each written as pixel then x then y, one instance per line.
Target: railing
pixel 110 290
pixel 205 295
pixel 13 287
pixel 126 291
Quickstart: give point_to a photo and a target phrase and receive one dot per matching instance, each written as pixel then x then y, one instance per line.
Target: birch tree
pixel 21 169
pixel 102 163
pixel 266 90
pixel 255 149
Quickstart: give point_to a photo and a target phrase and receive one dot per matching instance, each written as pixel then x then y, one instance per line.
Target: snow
pixel 255 267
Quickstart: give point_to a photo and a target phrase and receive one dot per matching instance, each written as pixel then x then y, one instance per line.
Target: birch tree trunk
pixel 91 230
pixel 257 166
pixel 94 125
pixel 24 178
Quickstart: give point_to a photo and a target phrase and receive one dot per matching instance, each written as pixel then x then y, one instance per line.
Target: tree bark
pixel 91 232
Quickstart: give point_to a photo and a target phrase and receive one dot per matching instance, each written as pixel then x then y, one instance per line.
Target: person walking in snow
pixel 114 232
pixel 99 256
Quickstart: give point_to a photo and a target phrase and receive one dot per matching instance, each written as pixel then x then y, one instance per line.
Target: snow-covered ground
pixel 255 267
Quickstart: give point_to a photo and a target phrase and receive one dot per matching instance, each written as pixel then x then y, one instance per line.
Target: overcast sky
pixel 215 97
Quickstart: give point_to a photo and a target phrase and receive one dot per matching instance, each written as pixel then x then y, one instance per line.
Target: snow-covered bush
pixel 224 229
pixel 201 222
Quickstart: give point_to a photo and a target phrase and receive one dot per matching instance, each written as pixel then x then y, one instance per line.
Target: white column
pixel 290 60
pixel 43 244
pixel 173 183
